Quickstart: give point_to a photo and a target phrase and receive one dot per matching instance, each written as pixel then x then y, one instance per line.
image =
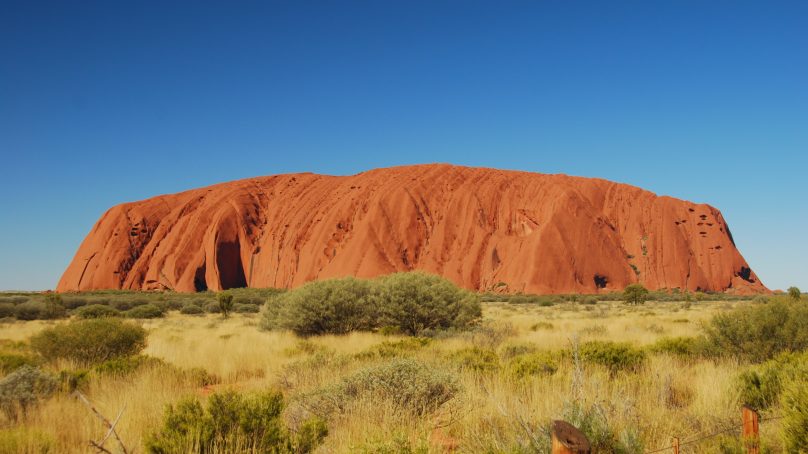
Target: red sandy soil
pixel 484 229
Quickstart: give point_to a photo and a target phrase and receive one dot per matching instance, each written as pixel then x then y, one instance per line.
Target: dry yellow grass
pixel 495 412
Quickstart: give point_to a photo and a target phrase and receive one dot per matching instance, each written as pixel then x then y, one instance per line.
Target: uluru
pixel 484 229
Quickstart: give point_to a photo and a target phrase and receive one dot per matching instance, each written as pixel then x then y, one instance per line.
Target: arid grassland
pixel 630 376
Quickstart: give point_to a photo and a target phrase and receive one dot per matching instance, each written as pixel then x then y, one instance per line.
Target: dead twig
pixel 110 425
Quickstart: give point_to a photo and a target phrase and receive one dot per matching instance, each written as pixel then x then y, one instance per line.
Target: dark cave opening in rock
pixel 746 274
pixel 600 281
pixel 228 262
pixel 200 284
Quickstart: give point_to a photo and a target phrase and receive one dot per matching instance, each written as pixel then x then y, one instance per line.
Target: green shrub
pixel 73 379
pixel 254 301
pixel 336 306
pixel 13 299
pixel 635 294
pixel 225 300
pixel 24 388
pixel 30 310
pixel 411 386
pixel 593 421
pixel 96 311
pixel 213 308
pixel 512 350
pixel 761 386
pixel 390 349
pixel 74 303
pixel 191 309
pixel 411 303
pixel 476 359
pixel 679 346
pixel 90 341
pixel 613 355
pixel 10 362
pixel 232 422
pixel 126 365
pixel 7 310
pixel 144 311
pixel 759 332
pixel 795 416
pixel 246 308
pixel 540 363
pixel 418 301
pixel 126 304
pixel 794 293
pixel 170 305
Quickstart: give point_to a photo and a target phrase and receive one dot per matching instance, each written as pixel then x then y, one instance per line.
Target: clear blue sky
pixel 108 102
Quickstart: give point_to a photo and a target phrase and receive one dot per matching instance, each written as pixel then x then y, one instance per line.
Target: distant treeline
pixel 142 304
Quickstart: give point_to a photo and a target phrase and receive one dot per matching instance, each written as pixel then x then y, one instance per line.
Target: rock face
pixel 485 229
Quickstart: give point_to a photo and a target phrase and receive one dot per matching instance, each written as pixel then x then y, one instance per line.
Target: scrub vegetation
pixel 315 372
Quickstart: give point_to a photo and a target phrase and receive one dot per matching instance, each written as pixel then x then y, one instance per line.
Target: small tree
pixel 225 303
pixel 635 294
pixel 794 293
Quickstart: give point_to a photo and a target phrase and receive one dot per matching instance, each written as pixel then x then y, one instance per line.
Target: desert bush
pixel 589 299
pixel 144 311
pixel 232 422
pixel 635 294
pixel 759 332
pixel 225 300
pixel 10 362
pixel 411 303
pixel 410 385
pixel 476 359
pixel 13 299
pixel 512 350
pixel 251 300
pixel 795 416
pixel 30 310
pixel 490 335
pixel 614 356
pixel 390 349
pixel 761 386
pixel 241 308
pixel 213 308
pixel 794 293
pixel 126 365
pixel 7 310
pixel 90 341
pixel 125 303
pixel 538 363
pixel 24 388
pixel 74 379
pixel 334 306
pixel 96 311
pixel 74 303
pixel 680 346
pixel 593 421
pixel 418 301
pixel 191 309
pixel 170 305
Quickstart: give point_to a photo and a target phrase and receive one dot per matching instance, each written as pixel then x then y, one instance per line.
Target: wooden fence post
pixel 675 445
pixel 568 440
pixel 751 430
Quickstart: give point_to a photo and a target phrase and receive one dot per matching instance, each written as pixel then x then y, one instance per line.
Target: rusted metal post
pixel 675 445
pixel 751 429
pixel 567 439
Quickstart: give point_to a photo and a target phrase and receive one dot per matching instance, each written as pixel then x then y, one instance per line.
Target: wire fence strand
pixel 714 434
